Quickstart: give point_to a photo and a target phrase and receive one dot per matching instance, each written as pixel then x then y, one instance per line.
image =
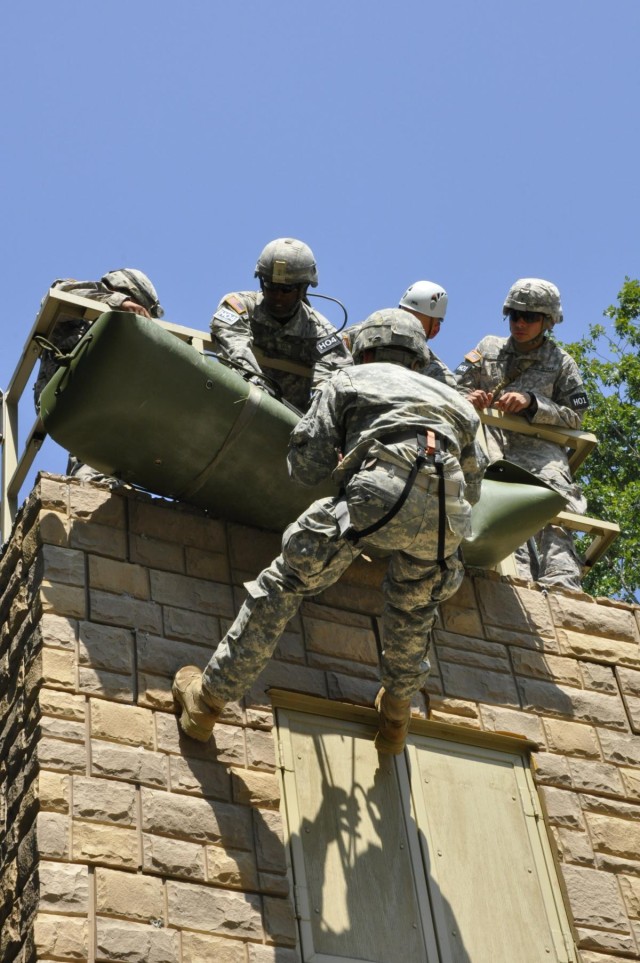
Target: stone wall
pixel 20 673
pixel 125 841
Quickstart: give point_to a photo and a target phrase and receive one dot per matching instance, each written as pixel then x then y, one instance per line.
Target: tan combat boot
pixel 199 712
pixel 393 722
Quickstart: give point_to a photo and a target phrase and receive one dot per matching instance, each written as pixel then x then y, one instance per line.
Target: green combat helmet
pixel 394 335
pixel 287 261
pixel 535 294
pixel 136 285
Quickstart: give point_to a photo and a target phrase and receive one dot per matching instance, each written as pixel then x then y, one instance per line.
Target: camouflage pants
pixel 77 469
pixel 315 554
pixel 553 559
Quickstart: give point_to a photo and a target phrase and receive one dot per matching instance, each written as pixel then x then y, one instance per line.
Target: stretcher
pixel 138 403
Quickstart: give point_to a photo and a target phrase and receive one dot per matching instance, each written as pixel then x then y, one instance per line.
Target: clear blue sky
pixel 461 142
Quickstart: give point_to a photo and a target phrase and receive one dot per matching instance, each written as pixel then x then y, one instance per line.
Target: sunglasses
pixel 529 317
pixel 271 286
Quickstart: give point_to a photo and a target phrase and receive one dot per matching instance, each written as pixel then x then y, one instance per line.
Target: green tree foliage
pixel 609 359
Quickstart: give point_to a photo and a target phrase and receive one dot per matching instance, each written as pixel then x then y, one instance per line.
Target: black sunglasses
pixel 267 285
pixel 529 317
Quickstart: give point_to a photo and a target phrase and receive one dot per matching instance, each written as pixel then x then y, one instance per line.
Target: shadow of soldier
pixel 362 886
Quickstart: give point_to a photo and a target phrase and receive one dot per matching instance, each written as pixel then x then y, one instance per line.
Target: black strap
pixel 442 508
pixel 434 447
pixel 428 444
pixel 352 535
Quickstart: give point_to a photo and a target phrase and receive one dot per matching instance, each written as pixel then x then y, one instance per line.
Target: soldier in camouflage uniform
pixel 404 449
pixel 125 289
pixel 252 328
pixel 529 375
pixel 427 302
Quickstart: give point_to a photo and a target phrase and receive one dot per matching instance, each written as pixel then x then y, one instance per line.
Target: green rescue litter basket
pixel 138 403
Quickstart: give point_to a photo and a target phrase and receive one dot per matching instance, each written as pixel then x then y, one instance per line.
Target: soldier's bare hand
pixel 512 402
pixel 480 399
pixel 134 308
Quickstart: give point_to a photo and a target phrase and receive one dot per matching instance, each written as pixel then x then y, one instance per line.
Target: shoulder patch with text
pixel 226 315
pixel 472 358
pixel 579 400
pixel 329 343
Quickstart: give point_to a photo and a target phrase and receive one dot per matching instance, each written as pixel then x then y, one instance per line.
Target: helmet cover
pixel 534 294
pixel 391 328
pixel 287 261
pixel 137 286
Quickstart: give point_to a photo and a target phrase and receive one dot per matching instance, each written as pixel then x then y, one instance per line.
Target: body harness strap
pixel 428 444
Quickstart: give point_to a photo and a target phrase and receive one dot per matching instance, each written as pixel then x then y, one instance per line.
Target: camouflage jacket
pixel 68 331
pixel 306 344
pixel 551 377
pixel 356 409
pixel 435 367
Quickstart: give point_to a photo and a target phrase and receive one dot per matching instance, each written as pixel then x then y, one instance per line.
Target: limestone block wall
pixel 20 673
pixel 122 840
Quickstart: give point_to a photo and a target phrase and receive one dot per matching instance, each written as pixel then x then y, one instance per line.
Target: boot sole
pixel 192 729
pixel 186 723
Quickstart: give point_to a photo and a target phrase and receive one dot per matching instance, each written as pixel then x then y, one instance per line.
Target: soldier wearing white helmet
pixel 273 335
pixel 427 301
pixel 528 374
pixel 404 449
pixel 125 289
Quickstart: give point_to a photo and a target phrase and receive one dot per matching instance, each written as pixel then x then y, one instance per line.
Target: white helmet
pixel 425 297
